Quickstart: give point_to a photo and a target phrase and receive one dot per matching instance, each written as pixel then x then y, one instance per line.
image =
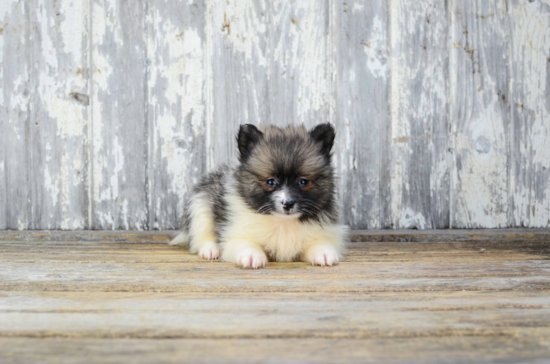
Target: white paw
pixel 325 257
pixel 251 258
pixel 209 251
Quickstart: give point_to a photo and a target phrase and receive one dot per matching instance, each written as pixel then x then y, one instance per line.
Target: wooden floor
pixel 130 298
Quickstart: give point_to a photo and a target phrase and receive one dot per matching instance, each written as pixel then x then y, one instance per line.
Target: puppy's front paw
pixel 324 255
pixel 209 251
pixel 251 258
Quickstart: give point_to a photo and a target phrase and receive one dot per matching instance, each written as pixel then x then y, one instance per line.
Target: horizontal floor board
pixel 453 235
pixel 95 300
pixel 449 350
pixel 142 315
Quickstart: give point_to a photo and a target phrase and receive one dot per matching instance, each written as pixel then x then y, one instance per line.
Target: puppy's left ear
pixel 324 135
pixel 247 139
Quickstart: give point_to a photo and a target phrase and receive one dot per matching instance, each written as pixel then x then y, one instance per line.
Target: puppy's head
pixel 287 172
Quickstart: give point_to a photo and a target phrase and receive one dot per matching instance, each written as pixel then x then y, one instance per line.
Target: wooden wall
pixel 111 110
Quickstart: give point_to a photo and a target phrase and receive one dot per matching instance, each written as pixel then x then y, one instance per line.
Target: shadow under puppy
pixel 278 204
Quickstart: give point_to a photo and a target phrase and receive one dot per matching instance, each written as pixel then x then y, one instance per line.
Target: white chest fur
pixel 281 238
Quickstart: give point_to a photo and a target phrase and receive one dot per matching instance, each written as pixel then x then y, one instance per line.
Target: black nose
pixel 287 204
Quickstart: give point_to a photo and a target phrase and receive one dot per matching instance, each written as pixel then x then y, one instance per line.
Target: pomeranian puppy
pixel 278 204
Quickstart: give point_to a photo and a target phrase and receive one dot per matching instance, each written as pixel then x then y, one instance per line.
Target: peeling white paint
pixel 409 219
pixel 530 52
pixel 298 39
pixel 244 30
pixel 376 49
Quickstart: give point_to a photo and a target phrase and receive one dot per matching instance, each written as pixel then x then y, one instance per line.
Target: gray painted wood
pixel 110 110
pixel 15 99
pixel 362 107
pixel 300 62
pixel 59 114
pixel 119 121
pixel 419 140
pixel 530 127
pixel 176 100
pixel 480 113
pixel 240 72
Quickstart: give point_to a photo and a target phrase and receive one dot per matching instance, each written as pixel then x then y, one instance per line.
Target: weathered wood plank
pixel 397 350
pixel 419 140
pixel 434 301
pixel 240 73
pixel 120 140
pixel 176 97
pixel 59 114
pixel 480 113
pixel 15 98
pixel 146 315
pixel 362 107
pixel 300 62
pixel 530 128
pixel 421 236
pixel 374 267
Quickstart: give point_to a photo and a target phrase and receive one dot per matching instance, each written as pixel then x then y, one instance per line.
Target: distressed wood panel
pixel 240 72
pixel 419 140
pixel 395 302
pixel 362 107
pixel 300 62
pixel 59 114
pixel 176 106
pixel 120 132
pixel 530 129
pixel 441 113
pixel 15 99
pixel 396 351
pixel 480 113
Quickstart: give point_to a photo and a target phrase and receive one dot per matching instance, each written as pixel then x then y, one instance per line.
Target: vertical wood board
pixel 59 114
pixel 480 113
pixel 530 128
pixel 362 108
pixel 15 99
pixel 120 132
pixel 240 72
pixel 176 100
pixel 300 68
pixel 419 140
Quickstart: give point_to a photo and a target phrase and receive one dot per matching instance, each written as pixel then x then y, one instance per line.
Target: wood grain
pixel 59 114
pixel 530 105
pixel 419 140
pixel 448 350
pixel 480 113
pixel 300 62
pixel 176 112
pixel 362 89
pixel 111 111
pixel 119 122
pixel 240 69
pixel 484 301
pixel 15 98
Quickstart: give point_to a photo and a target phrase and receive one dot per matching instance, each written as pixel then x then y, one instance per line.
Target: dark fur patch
pixel 213 185
pixel 289 154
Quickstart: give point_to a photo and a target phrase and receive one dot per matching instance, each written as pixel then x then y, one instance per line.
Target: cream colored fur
pixel 248 235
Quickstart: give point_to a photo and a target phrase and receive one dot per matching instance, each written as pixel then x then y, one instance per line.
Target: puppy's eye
pixel 303 182
pixel 271 182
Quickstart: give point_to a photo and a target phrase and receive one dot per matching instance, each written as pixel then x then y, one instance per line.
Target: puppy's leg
pixel 245 253
pixel 201 228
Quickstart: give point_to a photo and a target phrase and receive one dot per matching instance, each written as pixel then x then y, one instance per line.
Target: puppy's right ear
pixel 247 139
